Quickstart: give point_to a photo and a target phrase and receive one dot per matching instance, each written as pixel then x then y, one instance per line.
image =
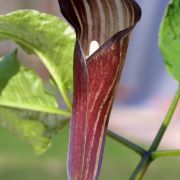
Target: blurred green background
pixel 17 161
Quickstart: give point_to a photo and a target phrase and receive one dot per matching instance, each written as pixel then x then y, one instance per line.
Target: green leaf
pixel 24 90
pixel 10 63
pixel 31 131
pixel 169 38
pixel 49 38
pixel 38 134
pixel 33 114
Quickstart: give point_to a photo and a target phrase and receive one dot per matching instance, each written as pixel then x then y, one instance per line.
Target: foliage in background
pixel 34 113
pixel 169 39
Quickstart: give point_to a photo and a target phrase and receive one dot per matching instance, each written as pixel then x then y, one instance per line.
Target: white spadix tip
pixel 93 47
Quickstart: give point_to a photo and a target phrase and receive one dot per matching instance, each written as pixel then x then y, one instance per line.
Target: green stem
pixel 141 167
pixel 158 154
pixel 56 79
pixel 166 121
pixel 127 143
pixel 147 159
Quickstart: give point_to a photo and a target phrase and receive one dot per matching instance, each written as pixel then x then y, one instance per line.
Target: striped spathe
pixel 109 22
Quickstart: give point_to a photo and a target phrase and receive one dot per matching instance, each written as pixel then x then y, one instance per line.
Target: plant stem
pixel 147 159
pixel 55 77
pixel 166 121
pixel 127 143
pixel 142 167
pixel 158 154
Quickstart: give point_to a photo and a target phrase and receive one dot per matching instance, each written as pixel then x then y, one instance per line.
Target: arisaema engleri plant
pixel 36 109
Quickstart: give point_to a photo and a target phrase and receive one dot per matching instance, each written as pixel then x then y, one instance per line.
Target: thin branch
pixel 141 167
pixel 139 150
pixel 147 159
pixel 158 154
pixel 166 121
